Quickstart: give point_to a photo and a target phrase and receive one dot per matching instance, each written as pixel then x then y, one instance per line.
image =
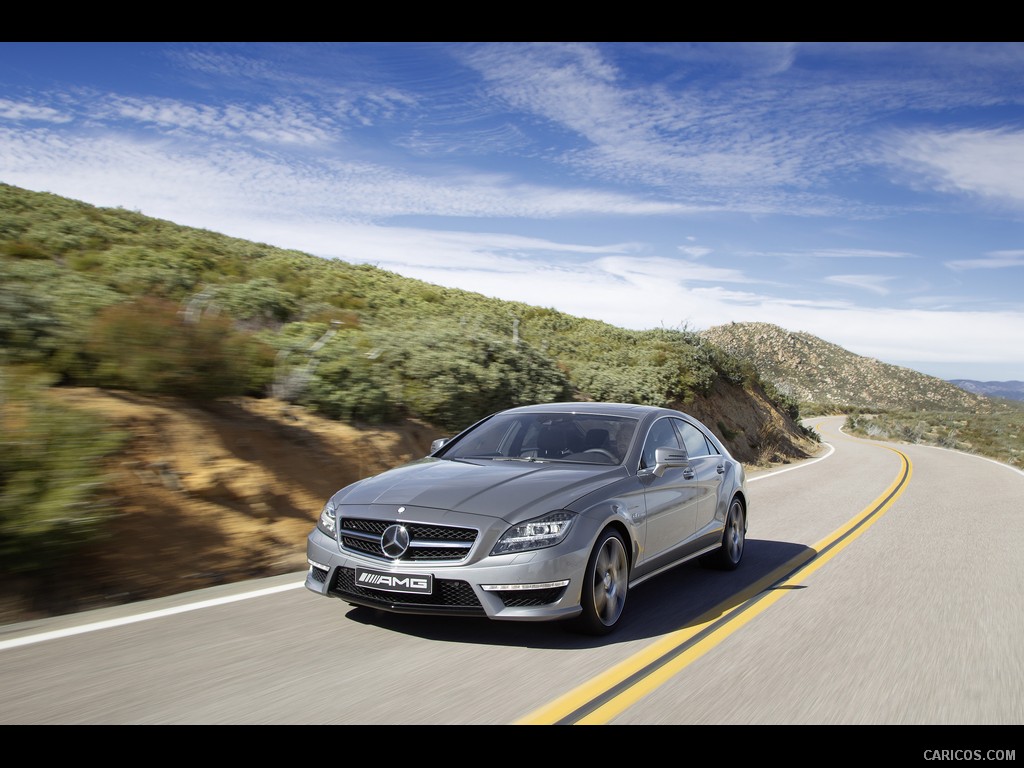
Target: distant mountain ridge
pixel 1011 390
pixel 812 370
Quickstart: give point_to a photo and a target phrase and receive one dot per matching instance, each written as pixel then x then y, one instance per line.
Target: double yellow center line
pixel 602 698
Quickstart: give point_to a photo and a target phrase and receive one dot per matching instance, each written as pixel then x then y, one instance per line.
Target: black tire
pixel 605 584
pixel 728 556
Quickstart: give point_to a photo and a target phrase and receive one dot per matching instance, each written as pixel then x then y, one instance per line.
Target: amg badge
pixel 416 583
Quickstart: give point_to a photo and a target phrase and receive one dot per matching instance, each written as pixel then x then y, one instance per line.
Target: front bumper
pixel 539 585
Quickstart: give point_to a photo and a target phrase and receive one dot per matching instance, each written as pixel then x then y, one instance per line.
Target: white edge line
pixel 801 465
pixel 989 459
pixel 69 631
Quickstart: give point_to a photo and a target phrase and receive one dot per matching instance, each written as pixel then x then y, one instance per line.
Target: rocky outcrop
pixel 811 370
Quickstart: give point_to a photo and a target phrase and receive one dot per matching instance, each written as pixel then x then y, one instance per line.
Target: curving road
pixel 881 584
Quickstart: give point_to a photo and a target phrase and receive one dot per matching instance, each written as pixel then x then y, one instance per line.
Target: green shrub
pixel 52 498
pixel 45 312
pixel 435 371
pixel 23 250
pixel 452 380
pixel 149 346
pixel 259 301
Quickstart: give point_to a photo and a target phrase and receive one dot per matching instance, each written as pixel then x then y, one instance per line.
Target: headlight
pixel 540 532
pixel 328 522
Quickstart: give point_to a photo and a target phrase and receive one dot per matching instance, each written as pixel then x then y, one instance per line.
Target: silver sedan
pixel 543 512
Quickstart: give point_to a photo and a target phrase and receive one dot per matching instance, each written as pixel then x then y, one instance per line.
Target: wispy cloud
pixel 227 64
pixel 985 163
pixel 694 251
pixel 723 145
pixel 281 122
pixel 667 138
pixel 874 283
pixel 856 253
pixel 24 111
pixel 267 186
pixel 995 260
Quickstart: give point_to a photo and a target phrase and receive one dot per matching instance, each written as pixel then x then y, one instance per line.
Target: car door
pixel 671 500
pixel 708 470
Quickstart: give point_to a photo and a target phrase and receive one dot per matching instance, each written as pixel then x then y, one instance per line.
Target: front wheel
pixel 727 557
pixel 605 584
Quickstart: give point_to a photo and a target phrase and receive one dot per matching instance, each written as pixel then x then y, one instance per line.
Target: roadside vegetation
pixel 998 435
pixel 52 494
pixel 113 299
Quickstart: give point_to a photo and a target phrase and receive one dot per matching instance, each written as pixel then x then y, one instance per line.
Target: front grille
pixel 428 543
pixel 449 596
pixel 528 598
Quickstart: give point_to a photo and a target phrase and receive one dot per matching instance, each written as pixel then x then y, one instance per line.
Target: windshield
pixel 576 437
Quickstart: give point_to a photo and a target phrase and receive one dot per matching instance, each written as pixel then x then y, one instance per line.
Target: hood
pixel 502 489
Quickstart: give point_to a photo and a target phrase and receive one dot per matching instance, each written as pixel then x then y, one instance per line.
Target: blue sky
pixel 871 194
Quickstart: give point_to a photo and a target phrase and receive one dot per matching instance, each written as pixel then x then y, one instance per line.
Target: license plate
pixel 415 583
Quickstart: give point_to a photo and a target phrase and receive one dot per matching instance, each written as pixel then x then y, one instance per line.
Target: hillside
pixel 245 383
pixel 114 299
pixel 814 371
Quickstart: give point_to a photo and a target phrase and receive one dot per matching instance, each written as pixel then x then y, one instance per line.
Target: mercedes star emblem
pixel 394 541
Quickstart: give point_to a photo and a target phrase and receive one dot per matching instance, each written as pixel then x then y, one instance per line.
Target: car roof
pixel 612 409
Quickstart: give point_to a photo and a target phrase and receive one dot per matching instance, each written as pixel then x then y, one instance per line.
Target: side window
pixel 694 440
pixel 662 435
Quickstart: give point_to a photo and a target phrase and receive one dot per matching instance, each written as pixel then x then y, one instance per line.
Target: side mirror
pixel 666 458
pixel 437 444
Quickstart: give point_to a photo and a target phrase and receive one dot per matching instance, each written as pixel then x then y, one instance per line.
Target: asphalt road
pixel 882 584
